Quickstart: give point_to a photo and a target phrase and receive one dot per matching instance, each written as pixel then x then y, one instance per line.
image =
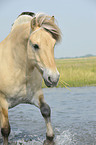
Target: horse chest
pixel 15 95
pixel 23 93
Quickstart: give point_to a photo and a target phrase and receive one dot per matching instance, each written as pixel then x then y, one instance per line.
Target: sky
pixel 76 19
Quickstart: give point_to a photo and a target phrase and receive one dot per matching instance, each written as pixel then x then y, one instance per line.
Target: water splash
pixel 65 138
pixel 33 142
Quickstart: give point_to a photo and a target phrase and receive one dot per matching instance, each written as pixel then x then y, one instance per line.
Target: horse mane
pixel 41 20
pixel 24 17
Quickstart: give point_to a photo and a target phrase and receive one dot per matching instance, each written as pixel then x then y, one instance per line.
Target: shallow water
pixel 73 118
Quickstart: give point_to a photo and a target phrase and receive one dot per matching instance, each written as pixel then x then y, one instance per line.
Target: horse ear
pixel 33 23
pixel 52 18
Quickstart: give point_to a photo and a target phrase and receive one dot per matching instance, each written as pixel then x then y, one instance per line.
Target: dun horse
pixel 27 56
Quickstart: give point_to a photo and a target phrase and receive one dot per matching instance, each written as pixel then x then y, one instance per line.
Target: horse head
pixel 44 34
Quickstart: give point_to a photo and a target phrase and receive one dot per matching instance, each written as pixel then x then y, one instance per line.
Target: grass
pixel 76 72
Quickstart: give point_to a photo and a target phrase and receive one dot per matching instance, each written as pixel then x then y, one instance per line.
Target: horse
pixel 27 58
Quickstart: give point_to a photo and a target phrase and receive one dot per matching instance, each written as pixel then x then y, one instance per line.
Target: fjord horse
pixel 27 56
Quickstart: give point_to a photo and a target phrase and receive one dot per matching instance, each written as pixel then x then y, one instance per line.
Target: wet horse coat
pixel 27 55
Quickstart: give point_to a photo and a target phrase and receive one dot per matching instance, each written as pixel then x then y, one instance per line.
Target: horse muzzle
pixel 51 78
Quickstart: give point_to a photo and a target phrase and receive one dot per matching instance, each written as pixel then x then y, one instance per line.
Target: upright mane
pixel 41 20
pixel 24 17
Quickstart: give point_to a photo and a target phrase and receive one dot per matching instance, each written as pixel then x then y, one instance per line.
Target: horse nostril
pixel 49 78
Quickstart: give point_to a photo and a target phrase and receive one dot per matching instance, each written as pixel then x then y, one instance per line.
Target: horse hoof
pixel 48 142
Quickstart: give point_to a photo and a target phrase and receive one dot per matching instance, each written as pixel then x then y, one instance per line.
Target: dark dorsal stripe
pixel 27 13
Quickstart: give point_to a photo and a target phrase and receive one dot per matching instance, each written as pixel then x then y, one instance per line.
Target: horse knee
pixel 5 131
pixel 45 110
pixel 5 126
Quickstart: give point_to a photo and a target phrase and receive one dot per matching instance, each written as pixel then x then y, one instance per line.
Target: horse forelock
pixel 48 24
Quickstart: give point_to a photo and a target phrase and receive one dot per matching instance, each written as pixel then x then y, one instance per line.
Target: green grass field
pixel 76 72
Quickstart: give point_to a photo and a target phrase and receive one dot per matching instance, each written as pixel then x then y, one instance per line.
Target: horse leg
pixel 4 122
pixel 5 126
pixel 46 113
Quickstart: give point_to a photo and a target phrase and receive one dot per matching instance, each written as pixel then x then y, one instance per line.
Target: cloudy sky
pixel 76 19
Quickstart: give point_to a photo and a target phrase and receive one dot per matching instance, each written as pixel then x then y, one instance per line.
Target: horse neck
pixel 20 34
pixel 19 39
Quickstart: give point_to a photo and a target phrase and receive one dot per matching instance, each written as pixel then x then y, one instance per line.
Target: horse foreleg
pixel 5 126
pixel 46 113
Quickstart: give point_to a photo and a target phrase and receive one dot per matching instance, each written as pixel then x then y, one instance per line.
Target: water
pixel 73 118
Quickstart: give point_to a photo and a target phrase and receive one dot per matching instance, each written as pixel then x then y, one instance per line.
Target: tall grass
pixel 76 72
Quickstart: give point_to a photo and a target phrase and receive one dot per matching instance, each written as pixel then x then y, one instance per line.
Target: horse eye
pixel 36 46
